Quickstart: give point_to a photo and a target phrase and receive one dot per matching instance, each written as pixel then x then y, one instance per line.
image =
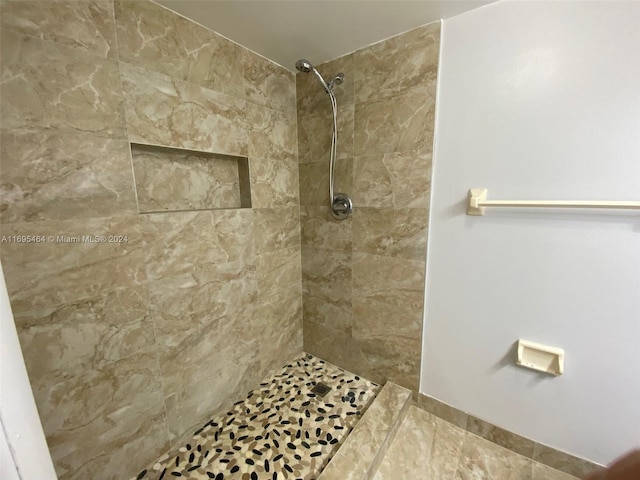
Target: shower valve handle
pixel 341 206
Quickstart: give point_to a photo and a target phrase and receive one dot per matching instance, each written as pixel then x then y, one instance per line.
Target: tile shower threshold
pixel 281 430
pixel 363 450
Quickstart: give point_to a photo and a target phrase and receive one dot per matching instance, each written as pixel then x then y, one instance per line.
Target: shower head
pixel 337 80
pixel 304 66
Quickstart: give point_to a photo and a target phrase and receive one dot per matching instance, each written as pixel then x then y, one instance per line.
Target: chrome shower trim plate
pixel 341 206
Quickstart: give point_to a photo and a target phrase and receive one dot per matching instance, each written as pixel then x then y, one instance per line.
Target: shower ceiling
pixel 286 30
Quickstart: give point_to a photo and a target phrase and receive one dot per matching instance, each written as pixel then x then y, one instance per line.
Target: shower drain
pixel 321 389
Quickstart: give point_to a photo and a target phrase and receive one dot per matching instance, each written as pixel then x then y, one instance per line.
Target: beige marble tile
pixel 314 181
pixel 161 110
pixel 168 179
pixel 481 459
pixel 446 450
pixel 184 306
pixel 542 472
pixel 564 462
pixel 272 133
pixel 216 360
pixel 56 176
pixel 385 326
pixel 114 307
pixel 411 448
pixel 193 406
pixel 396 360
pixel 279 270
pixel 279 318
pixel 206 334
pixel 370 436
pixel 60 342
pixel 234 234
pixel 140 445
pixel 442 410
pixel 319 229
pixel 55 87
pixel 314 134
pixel 86 25
pixel 387 297
pixel 274 183
pixel 382 359
pixel 114 404
pixel 327 288
pixel 154 37
pixel 391 232
pixel 267 83
pixel 208 342
pixel 395 124
pixel 64 269
pixel 327 343
pixel 276 228
pixel 425 447
pixel 501 437
pixel 178 243
pixel 186 242
pixel 408 60
pixel 387 318
pixel 397 180
pixel 311 97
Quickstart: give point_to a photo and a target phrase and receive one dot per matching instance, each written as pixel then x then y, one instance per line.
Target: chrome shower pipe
pixel 340 204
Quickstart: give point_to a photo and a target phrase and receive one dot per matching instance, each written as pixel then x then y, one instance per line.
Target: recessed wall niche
pixel 174 179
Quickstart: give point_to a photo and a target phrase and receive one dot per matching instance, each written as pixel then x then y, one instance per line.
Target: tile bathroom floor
pixel 427 447
pixel 280 430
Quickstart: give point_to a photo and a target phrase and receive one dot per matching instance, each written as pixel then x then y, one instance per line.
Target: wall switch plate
pixel 542 358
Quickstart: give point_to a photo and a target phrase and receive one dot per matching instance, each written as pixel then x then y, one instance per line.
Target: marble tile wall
pixel 363 278
pixel 130 343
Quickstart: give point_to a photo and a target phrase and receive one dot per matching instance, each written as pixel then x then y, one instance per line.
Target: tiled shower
pixel 198 169
pixel 363 278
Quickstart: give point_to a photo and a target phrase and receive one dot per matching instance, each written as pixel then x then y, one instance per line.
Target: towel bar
pixel 478 201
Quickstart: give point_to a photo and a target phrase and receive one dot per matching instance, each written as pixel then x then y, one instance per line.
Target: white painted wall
pixel 538 100
pixel 23 448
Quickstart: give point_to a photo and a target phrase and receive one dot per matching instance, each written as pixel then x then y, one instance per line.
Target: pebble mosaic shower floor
pixel 281 430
